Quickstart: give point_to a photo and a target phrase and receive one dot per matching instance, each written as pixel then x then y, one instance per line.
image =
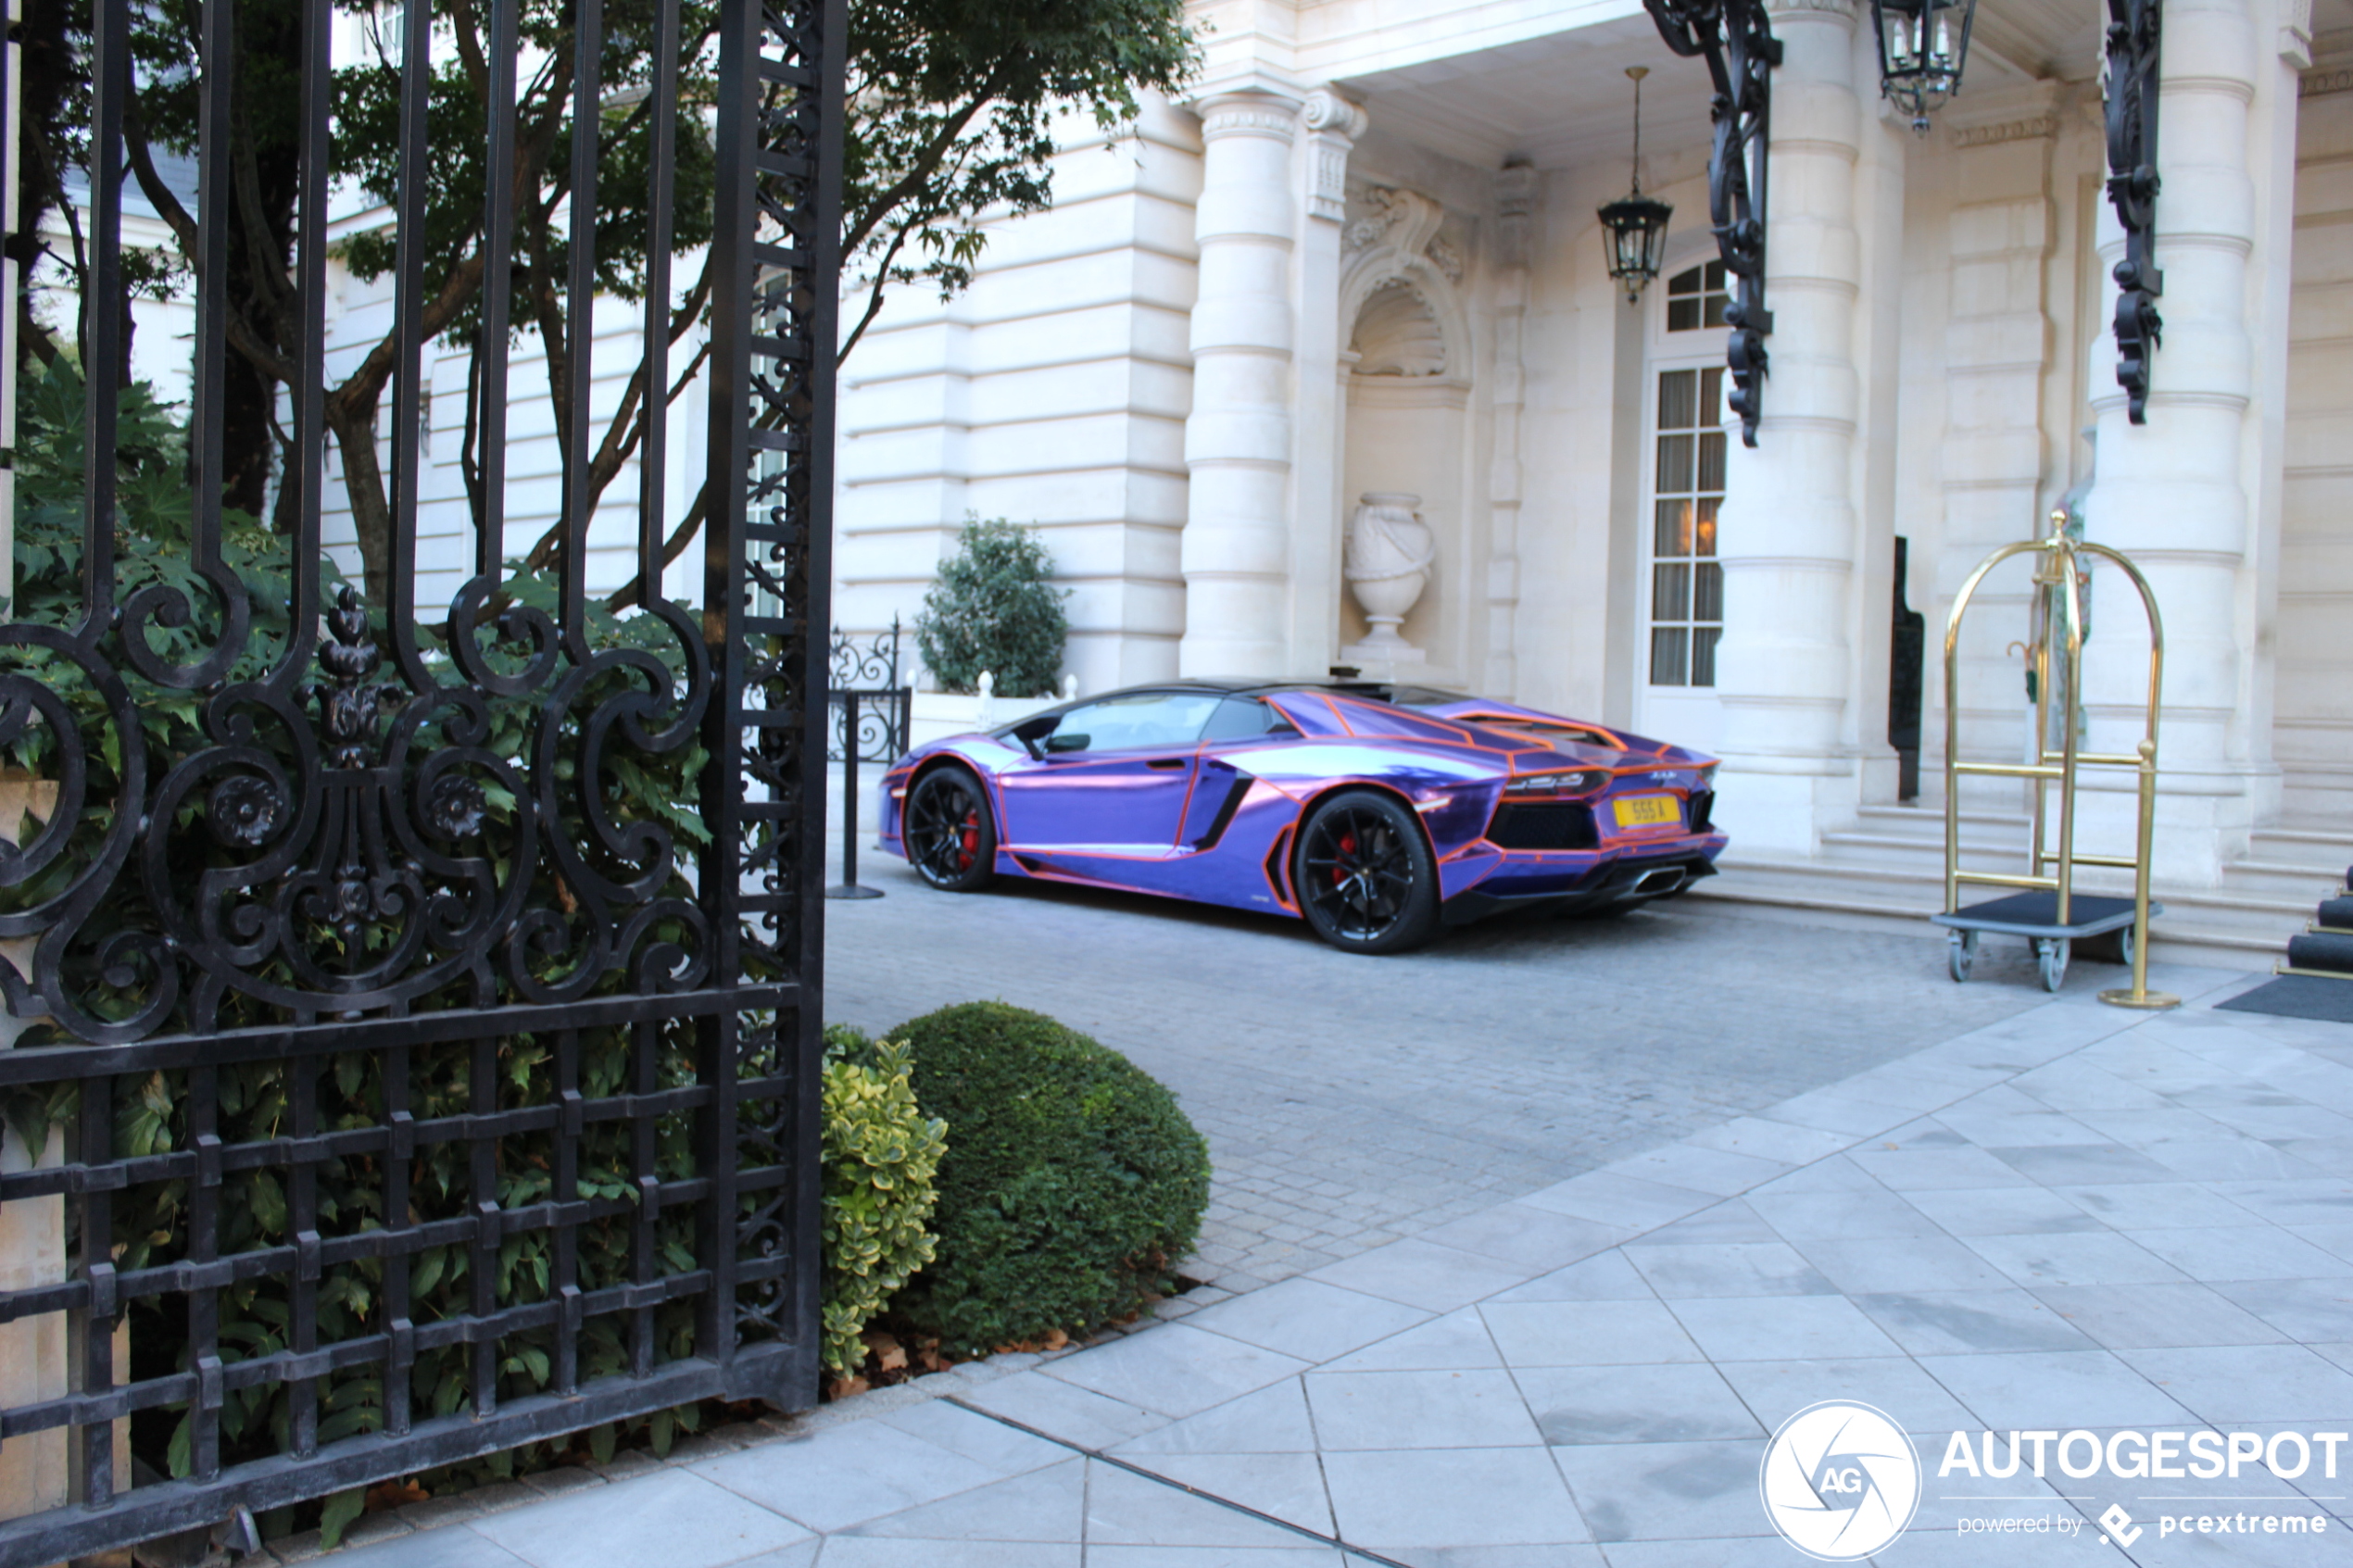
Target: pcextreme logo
pixel 1839 1480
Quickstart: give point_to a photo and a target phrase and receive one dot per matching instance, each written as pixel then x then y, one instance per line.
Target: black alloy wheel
pixel 1367 880
pixel 950 838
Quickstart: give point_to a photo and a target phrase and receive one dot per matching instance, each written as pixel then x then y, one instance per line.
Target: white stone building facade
pixel 1363 258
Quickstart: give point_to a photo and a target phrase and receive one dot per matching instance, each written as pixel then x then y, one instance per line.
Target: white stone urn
pixel 1387 564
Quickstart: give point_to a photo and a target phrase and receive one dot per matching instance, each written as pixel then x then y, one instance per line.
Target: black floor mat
pixel 2299 996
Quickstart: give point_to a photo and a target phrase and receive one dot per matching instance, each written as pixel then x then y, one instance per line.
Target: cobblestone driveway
pixel 1348 1101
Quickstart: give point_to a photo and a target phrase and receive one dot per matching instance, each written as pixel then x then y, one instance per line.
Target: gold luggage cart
pixel 2044 905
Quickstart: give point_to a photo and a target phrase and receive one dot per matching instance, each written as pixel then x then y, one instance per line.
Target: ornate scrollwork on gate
pixel 2136 31
pixel 331 850
pixel 1736 39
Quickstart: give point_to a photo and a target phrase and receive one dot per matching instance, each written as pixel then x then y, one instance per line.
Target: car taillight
pixel 1577 783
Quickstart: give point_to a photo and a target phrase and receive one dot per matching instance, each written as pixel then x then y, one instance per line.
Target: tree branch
pixel 951 130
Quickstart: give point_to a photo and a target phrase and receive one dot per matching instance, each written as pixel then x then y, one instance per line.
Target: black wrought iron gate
pixel 425 1084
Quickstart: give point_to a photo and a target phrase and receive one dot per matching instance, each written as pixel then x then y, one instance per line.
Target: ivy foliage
pixel 1071 1185
pixel 881 1155
pixel 995 608
pixel 259 1207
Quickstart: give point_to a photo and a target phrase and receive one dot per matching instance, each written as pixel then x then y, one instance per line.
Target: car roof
pixel 1253 685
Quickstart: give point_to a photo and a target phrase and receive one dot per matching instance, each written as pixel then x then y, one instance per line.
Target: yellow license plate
pixel 1649 811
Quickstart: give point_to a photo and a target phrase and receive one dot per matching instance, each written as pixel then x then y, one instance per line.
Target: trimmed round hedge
pixel 1071 1185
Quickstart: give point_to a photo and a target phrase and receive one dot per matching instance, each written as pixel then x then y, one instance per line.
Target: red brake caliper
pixel 1347 852
pixel 969 840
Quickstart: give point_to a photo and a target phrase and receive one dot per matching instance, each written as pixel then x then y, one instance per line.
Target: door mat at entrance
pixel 2299 996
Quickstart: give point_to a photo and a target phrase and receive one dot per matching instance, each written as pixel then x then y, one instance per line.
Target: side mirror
pixel 1029 732
pixel 1067 743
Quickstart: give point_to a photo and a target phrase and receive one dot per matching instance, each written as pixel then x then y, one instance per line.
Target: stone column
pixel 2180 493
pixel 1788 540
pixel 1996 344
pixel 1319 510
pixel 1515 187
pixel 1235 551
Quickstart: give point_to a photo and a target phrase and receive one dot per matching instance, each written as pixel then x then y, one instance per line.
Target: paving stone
pixel 1049 1504
pixel 2248 1383
pixel 1666 1492
pixel 1308 1318
pixel 1131 1509
pixel 675 1517
pixel 1419 1274
pixel 2252 1250
pixel 2059 1389
pixel 453 1546
pixel 1899 1263
pixel 1586 1333
pixel 2140 1317
pixel 1273 1420
pixel 1177 1370
pixel 1459 1340
pixel 867 1469
pixel 2087 1258
pixel 1470 1409
pixel 1450 1497
pixel 1730 1268
pixel 1768 1328
pixel 1672 1403
pixel 1941 1323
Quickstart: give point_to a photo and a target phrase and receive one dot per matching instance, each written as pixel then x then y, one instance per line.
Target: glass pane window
pixel 1696 299
pixel 1687 486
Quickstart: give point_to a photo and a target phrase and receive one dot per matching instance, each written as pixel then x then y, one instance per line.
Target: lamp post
pixel 1634 226
pixel 1921 45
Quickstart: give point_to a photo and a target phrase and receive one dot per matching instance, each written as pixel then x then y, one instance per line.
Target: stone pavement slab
pixel 1589 1383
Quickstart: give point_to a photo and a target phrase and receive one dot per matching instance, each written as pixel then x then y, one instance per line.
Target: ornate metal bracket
pixel 2134 32
pixel 1738 43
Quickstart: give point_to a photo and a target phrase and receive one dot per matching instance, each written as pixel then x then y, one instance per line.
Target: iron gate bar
pixel 366 822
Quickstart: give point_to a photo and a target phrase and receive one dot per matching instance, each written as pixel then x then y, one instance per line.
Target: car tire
pixel 949 832
pixel 1365 875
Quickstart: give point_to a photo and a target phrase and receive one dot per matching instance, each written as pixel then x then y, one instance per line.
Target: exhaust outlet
pixel 1663 881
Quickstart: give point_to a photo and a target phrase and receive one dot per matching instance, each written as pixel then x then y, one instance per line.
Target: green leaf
pixel 338 1514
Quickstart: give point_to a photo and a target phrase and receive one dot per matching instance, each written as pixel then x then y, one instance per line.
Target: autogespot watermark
pixel 1840 1481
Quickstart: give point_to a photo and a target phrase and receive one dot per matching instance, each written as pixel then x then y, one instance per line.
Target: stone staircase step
pixel 2222 928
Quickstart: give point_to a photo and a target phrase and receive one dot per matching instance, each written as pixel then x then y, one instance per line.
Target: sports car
pixel 1375 812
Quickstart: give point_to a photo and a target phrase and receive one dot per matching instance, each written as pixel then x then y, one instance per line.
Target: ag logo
pixel 1839 1481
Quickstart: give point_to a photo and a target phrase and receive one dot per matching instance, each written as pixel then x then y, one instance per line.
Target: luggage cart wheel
pixel 1961 953
pixel 2124 945
pixel 2052 950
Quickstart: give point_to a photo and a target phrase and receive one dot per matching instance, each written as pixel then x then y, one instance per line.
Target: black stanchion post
pixel 848 887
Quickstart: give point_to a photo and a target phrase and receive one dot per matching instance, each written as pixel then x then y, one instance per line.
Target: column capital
pixel 1330 114
pixel 1248 114
pixel 1333 124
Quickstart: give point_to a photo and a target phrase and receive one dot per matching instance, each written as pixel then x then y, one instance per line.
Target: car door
pixel 1112 776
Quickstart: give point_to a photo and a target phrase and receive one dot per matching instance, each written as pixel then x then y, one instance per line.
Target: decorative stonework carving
pixel 1251 116
pixel 2030 129
pixel 1397 334
pixel 2295 32
pixel 2329 79
pixel 1326 110
pixel 1516 186
pixel 1404 220
pixel 1446 259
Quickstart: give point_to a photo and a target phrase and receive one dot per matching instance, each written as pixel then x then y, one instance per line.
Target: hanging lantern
pixel 1921 44
pixel 1634 226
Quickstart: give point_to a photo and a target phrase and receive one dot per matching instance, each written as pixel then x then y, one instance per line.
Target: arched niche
pixel 1406 385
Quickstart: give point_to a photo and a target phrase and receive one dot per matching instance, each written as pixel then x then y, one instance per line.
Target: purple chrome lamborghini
pixel 1375 812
